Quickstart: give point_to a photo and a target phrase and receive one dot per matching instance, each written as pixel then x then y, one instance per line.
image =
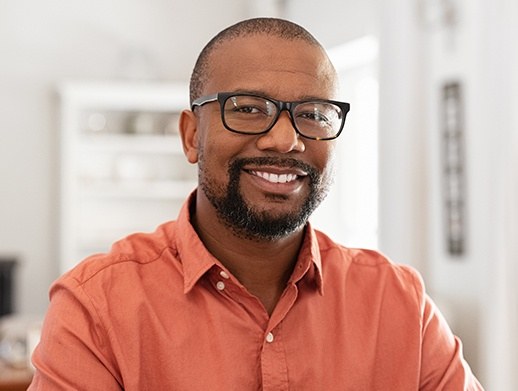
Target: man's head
pixel 262 186
pixel 273 27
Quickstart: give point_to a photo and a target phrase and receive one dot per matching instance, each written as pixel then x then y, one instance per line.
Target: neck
pixel 263 267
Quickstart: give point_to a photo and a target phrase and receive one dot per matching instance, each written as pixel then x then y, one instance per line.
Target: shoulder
pixel 369 269
pixel 133 252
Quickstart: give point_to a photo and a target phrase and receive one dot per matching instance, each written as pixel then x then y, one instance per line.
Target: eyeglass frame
pixel 222 97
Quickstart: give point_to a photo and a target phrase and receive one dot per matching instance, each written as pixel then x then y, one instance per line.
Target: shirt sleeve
pixel 73 353
pixel 443 366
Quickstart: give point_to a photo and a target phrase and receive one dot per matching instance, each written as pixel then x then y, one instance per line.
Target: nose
pixel 282 137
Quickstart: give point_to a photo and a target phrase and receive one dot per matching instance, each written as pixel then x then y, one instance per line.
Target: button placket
pixel 274 368
pixel 221 279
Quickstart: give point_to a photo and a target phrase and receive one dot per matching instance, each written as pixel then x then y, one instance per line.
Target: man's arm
pixel 443 366
pixel 73 353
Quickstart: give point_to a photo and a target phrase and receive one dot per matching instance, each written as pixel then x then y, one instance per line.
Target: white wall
pixel 477 284
pixel 500 132
pixel 495 188
pixel 335 22
pixel 452 54
pixel 43 42
pixel 402 149
pixel 421 50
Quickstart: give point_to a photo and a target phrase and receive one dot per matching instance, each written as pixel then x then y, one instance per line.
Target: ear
pixel 188 128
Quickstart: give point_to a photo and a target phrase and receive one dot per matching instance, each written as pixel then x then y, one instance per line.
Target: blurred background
pixel 428 166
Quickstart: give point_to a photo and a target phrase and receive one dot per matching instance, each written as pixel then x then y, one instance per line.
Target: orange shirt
pixel 159 312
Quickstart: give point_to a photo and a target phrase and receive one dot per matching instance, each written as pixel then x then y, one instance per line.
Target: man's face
pixel 265 186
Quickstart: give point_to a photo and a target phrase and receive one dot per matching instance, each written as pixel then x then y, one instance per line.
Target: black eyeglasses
pixel 315 119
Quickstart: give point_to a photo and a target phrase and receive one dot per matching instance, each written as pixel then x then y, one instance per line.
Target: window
pixel 350 212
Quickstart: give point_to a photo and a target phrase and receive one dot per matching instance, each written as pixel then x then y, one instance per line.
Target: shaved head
pixel 274 27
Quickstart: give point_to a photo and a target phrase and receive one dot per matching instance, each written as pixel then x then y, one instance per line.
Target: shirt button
pixel 269 338
pixel 220 285
pixel 224 274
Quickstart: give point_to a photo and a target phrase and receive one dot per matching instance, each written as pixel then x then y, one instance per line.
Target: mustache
pixel 237 165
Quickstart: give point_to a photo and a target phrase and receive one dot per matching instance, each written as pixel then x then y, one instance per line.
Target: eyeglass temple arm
pixel 204 99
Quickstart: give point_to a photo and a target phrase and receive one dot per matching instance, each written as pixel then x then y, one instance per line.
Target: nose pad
pixel 282 137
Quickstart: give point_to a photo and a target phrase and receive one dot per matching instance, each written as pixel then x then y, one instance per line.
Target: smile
pixel 275 178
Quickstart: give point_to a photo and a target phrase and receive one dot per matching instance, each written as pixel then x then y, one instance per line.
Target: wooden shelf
pixel 173 190
pixel 124 143
pixel 122 163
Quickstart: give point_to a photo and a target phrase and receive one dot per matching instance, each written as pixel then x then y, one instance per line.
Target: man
pixel 240 293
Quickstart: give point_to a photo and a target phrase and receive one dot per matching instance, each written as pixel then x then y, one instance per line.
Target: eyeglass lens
pixel 252 114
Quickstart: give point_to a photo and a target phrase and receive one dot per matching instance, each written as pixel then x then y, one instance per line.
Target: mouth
pixel 274 177
pixel 275 180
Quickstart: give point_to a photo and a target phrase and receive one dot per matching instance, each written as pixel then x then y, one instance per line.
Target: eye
pixel 247 109
pixel 314 116
pixel 321 114
pixel 249 105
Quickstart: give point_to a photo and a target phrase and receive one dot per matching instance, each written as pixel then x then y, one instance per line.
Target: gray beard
pixel 247 222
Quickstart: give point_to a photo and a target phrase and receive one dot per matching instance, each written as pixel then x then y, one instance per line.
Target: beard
pixel 249 222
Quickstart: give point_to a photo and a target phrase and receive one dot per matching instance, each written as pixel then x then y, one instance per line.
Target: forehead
pixel 282 68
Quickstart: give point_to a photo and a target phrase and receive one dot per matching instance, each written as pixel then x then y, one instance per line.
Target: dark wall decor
pixel 7 268
pixel 453 168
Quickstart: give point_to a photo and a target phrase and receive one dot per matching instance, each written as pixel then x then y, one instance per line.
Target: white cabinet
pixel 122 165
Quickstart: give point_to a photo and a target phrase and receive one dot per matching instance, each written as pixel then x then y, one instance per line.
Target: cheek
pixel 326 163
pixel 220 145
pixel 213 153
pixel 325 156
pixel 216 152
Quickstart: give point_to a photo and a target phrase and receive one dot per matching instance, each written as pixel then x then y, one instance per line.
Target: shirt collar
pixel 196 259
pixel 309 262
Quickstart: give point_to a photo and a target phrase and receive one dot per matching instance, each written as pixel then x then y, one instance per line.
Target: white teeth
pixel 275 178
